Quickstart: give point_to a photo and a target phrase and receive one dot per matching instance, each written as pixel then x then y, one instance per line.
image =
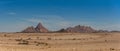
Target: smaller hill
pixel 78 29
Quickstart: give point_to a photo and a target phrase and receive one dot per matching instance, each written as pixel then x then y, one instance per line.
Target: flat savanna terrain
pixel 59 41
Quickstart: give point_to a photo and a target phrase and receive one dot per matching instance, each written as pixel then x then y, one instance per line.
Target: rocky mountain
pixel 38 29
pixel 78 29
pixel 41 28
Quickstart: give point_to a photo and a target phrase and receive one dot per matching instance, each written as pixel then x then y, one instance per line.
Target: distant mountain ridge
pixel 76 29
pixel 79 29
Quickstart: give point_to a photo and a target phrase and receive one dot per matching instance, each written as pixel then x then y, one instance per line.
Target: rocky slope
pixel 79 28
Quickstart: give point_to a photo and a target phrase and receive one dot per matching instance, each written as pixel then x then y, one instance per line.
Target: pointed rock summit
pixel 40 28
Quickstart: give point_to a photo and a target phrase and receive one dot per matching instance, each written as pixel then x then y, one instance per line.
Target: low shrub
pixel 24 42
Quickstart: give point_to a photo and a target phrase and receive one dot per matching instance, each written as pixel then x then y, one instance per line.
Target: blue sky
pixel 15 15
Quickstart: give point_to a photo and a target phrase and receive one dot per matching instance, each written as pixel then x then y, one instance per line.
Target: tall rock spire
pixel 40 28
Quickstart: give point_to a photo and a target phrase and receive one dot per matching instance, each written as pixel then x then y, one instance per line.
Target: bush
pixel 74 39
pixel 112 49
pixel 24 42
pixel 18 39
pixel 49 38
pixel 29 39
pixel 41 43
pixel 5 35
pixel 37 37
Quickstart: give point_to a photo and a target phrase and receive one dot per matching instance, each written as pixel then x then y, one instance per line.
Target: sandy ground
pixel 59 41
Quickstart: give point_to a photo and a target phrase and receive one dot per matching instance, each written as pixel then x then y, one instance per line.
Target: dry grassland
pixel 59 41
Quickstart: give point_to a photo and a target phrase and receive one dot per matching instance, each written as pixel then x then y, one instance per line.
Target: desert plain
pixel 59 41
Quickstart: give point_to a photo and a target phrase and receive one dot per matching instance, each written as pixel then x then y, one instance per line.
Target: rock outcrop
pixel 78 29
pixel 38 29
pixel 41 28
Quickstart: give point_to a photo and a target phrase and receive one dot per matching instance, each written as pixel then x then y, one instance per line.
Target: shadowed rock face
pixel 40 28
pixel 79 28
